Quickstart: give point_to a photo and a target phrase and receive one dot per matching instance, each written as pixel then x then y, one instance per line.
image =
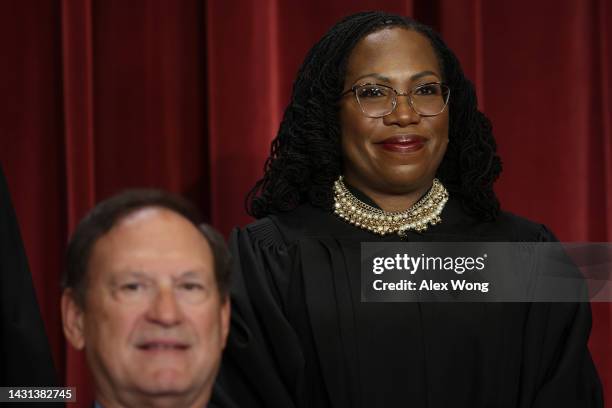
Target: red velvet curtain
pixel 98 96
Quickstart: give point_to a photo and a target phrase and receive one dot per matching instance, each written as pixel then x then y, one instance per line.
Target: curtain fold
pixel 244 107
pixel 466 40
pixel 99 96
pixel 601 336
pixel 77 79
pixel 604 105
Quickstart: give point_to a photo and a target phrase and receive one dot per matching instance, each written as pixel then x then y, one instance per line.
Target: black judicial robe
pixel 25 356
pixel 301 337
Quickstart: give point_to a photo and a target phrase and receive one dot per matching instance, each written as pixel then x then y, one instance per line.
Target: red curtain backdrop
pixel 99 96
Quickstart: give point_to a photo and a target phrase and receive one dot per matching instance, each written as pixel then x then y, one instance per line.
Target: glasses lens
pixel 375 100
pixel 430 99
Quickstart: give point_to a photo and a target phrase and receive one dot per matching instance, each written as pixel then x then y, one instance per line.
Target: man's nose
pixel 164 308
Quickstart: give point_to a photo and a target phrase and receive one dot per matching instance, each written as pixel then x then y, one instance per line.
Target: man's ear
pixel 225 318
pixel 72 320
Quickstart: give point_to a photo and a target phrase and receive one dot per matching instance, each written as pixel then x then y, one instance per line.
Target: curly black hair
pixel 305 157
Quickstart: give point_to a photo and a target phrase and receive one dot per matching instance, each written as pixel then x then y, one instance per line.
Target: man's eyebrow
pixel 129 273
pixel 189 274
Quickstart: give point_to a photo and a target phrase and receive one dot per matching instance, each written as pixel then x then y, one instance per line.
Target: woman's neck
pixel 391 202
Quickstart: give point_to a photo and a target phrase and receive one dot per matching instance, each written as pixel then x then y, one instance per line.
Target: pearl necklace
pixel 423 213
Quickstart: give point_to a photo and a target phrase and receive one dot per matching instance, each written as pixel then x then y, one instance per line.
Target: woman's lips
pixel 403 144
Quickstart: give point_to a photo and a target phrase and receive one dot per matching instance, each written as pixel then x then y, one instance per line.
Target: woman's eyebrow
pixel 383 78
pixel 423 74
pixel 374 75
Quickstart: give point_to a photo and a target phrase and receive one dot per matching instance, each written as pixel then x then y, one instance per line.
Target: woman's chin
pixel 406 182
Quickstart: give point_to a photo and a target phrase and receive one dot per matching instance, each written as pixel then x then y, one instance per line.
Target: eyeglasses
pixel 377 100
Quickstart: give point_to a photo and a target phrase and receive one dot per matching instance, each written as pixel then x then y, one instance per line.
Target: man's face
pixel 153 323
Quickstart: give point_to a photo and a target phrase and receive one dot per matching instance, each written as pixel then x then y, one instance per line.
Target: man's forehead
pixel 151 239
pixel 157 219
pixel 151 274
pixel 145 214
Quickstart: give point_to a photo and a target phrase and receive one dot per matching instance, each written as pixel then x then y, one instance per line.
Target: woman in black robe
pixel 383 142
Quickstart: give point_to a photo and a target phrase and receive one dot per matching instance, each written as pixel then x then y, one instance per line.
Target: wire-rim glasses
pixel 376 100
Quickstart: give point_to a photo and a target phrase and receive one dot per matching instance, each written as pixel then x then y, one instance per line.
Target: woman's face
pixel 398 153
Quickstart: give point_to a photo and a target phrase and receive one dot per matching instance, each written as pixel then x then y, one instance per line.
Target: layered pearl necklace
pixel 419 217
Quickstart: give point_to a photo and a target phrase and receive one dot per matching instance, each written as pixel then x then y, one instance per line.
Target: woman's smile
pixel 403 144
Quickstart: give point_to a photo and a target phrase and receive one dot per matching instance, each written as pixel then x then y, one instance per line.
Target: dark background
pixel 100 95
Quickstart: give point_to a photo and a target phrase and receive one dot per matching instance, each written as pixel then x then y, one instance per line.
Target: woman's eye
pixel 372 92
pixel 430 89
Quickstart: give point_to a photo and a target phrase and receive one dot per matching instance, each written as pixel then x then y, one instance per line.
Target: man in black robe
pixel 25 356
